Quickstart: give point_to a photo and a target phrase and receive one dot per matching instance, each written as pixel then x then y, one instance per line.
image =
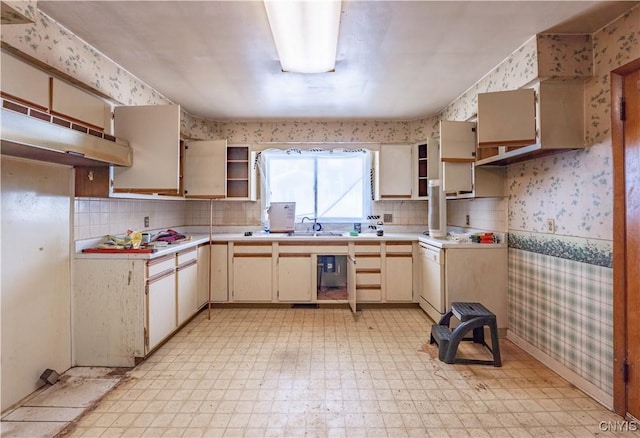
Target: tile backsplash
pixel 97 217
pixel 489 214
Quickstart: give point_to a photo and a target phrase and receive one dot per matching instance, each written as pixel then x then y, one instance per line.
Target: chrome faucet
pixel 317 226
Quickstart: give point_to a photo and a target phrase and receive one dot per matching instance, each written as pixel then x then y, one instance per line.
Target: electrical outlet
pixel 551 226
pixel 467 220
pixel 387 218
pixel 146 221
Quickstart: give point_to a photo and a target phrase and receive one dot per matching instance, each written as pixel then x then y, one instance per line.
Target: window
pixel 332 186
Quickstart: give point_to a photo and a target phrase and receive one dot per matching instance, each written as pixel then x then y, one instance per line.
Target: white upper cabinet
pixel 457 155
pixel 457 141
pixel 507 118
pixel 153 132
pixel 394 175
pixel 205 169
pixel 70 101
pixel 523 124
pixel 24 82
pixel 457 178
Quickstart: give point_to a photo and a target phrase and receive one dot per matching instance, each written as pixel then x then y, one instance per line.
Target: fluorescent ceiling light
pixel 305 33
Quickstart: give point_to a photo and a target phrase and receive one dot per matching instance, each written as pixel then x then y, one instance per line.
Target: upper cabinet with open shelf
pixel 518 125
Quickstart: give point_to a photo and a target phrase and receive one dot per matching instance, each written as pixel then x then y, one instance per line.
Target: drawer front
pixel 254 248
pixel 363 248
pixel 187 255
pixel 161 264
pixel 368 279
pixel 399 247
pixel 364 295
pixel 367 262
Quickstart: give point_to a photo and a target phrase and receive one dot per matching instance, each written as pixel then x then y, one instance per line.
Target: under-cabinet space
pixel 332 284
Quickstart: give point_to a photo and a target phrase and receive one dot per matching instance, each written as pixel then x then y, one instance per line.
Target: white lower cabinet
pixel 219 272
pixel 161 308
pixel 124 308
pixel 368 258
pixel 252 276
pixel 295 277
pixel 399 277
pixel 398 271
pixel 187 281
pixel 204 258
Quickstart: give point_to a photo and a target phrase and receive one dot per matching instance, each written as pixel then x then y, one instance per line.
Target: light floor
pixel 324 372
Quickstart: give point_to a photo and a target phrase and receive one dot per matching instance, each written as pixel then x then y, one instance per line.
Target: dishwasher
pixel 432 294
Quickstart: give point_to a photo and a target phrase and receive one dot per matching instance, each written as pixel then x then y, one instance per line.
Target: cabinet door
pixel 507 118
pixel 295 278
pixel 252 276
pixel 161 308
pixel 70 101
pixel 204 258
pixel 153 132
pixel 205 169
pixel 187 291
pixel 24 82
pixel 395 177
pixel 457 141
pixel 399 277
pixel 219 273
pixel 351 283
pixel 457 178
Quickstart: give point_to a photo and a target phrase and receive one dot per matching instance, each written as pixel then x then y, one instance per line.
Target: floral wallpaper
pixel 573 188
pixel 50 43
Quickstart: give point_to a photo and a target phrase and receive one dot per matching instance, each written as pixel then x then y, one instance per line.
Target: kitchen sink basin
pixel 316 234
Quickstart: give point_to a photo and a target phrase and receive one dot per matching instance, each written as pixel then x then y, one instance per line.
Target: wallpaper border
pixel 591 251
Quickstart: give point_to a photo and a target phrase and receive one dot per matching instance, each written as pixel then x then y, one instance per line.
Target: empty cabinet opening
pixel 332 277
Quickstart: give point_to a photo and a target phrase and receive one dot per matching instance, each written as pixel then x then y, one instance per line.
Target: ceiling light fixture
pixel 305 33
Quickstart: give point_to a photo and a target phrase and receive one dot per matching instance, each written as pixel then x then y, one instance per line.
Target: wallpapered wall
pixel 54 45
pixel 574 188
pixel 560 284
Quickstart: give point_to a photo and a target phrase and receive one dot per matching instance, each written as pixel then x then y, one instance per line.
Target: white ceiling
pixel 396 60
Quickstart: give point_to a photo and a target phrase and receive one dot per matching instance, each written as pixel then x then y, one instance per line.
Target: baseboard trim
pixel 572 377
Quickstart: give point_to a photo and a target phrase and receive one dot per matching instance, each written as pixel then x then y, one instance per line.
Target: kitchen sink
pixel 316 234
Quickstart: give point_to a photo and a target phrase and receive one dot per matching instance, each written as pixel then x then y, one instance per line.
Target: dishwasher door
pixel 432 294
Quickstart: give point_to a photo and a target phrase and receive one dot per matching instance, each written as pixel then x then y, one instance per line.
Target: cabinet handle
pixel 160 276
pixel 187 265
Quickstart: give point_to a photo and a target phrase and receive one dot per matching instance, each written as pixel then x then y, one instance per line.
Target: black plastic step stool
pixel 472 316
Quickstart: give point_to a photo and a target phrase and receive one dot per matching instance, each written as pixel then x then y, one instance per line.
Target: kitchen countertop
pixel 363 237
pixel 197 239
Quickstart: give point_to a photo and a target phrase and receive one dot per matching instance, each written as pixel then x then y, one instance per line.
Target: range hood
pixel 29 133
